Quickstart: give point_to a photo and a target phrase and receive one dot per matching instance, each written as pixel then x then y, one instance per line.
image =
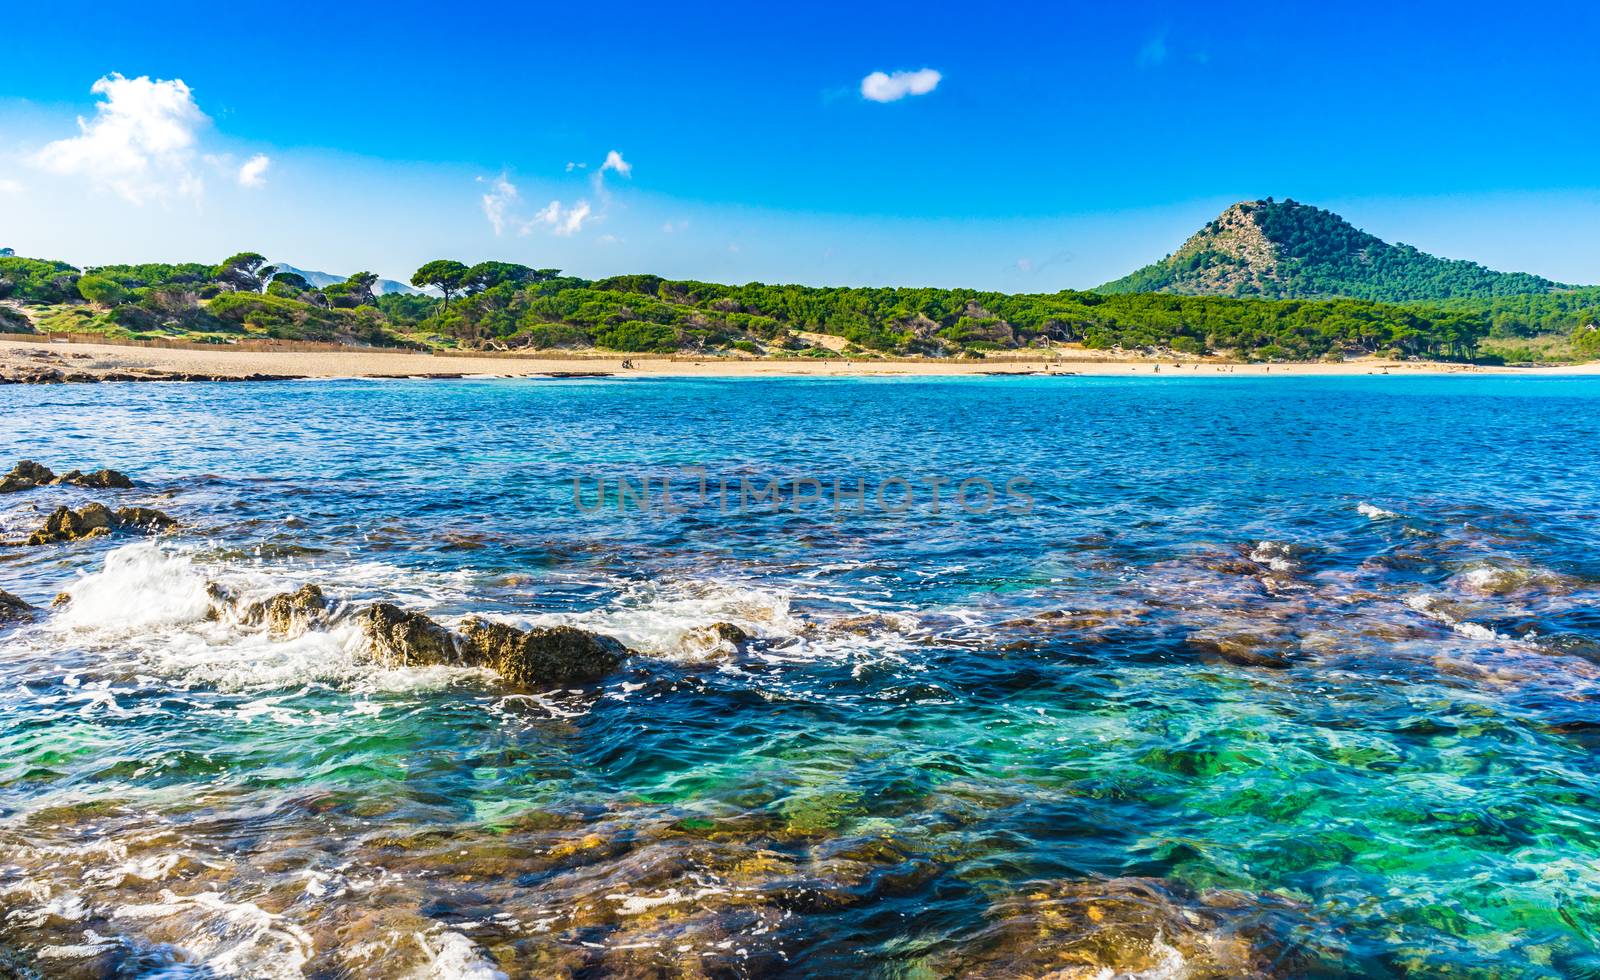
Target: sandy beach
pixel 21 357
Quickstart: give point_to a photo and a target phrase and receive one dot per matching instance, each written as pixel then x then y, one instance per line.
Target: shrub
pixel 638 336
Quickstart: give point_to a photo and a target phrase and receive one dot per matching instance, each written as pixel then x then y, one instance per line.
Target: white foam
pixel 664 620
pixel 236 939
pixel 141 586
pixel 1374 513
pixel 452 956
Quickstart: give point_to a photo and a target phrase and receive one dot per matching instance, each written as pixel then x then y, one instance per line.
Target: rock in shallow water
pixel 95 520
pixel 542 656
pixel 13 609
pixel 407 639
pixel 28 475
pixel 290 613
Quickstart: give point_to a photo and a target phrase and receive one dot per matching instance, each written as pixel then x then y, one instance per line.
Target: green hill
pixel 1287 250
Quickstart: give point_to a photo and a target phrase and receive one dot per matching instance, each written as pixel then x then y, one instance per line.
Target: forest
pixel 502 305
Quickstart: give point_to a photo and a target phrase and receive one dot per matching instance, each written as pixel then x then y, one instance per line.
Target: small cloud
pixel 140 143
pixel 609 240
pixel 254 171
pixel 1154 52
pixel 561 220
pixel 574 219
pixel 9 186
pixel 673 227
pixel 1025 265
pixel 501 197
pixel 574 165
pixel 881 87
pixel 615 162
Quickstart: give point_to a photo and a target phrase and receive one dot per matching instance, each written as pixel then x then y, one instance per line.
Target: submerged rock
pixel 407 639
pixel 290 613
pixel 14 610
pixel 541 656
pixel 1125 927
pixel 95 520
pixel 1244 649
pixel 28 475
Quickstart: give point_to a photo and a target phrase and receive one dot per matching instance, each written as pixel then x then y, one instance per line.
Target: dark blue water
pixel 1276 677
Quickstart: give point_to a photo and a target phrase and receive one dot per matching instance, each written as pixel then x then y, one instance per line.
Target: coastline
pixel 31 359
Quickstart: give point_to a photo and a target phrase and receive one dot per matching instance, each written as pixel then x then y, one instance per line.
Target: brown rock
pixel 143 518
pixel 290 613
pixel 1244 649
pixel 25 476
pixel 66 524
pixel 94 520
pixel 13 609
pixel 98 480
pixel 544 656
pixel 406 639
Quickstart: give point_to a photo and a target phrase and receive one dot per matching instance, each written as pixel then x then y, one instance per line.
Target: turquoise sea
pixel 1264 677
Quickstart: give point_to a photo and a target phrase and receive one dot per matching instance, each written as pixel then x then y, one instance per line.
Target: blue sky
pixel 1021 147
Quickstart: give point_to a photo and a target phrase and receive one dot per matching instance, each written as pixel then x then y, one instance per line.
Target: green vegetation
pixel 1287 250
pixel 502 305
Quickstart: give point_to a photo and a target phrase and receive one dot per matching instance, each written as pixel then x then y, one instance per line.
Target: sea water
pixel 1276 677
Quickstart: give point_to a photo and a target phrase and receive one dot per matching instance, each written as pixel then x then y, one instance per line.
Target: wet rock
pixel 66 524
pixel 1125 927
pixel 14 610
pixel 290 613
pixel 143 518
pixel 25 476
pixel 106 479
pixel 407 639
pixel 714 640
pixel 868 624
pixel 543 656
pixel 28 475
pixel 96 520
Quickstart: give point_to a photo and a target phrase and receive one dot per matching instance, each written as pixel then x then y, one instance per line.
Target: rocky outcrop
pixel 28 475
pixel 290 613
pixel 406 639
pixel 143 519
pixel 14 610
pixel 542 656
pixel 96 520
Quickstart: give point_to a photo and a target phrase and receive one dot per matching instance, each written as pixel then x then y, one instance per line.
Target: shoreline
pixel 28 359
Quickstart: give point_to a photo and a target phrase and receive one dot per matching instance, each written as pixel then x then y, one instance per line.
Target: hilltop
pixel 1288 250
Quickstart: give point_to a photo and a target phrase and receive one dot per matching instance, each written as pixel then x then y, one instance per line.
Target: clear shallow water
pixel 1278 677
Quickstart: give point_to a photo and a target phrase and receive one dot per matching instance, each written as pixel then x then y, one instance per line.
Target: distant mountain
pixel 319 279
pixel 1288 250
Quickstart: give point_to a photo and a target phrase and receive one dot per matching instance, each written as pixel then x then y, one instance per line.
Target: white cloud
pixel 881 87
pixel 9 186
pixel 1024 265
pixel 615 162
pixel 254 171
pixel 574 219
pixel 562 220
pixel 502 195
pixel 140 143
